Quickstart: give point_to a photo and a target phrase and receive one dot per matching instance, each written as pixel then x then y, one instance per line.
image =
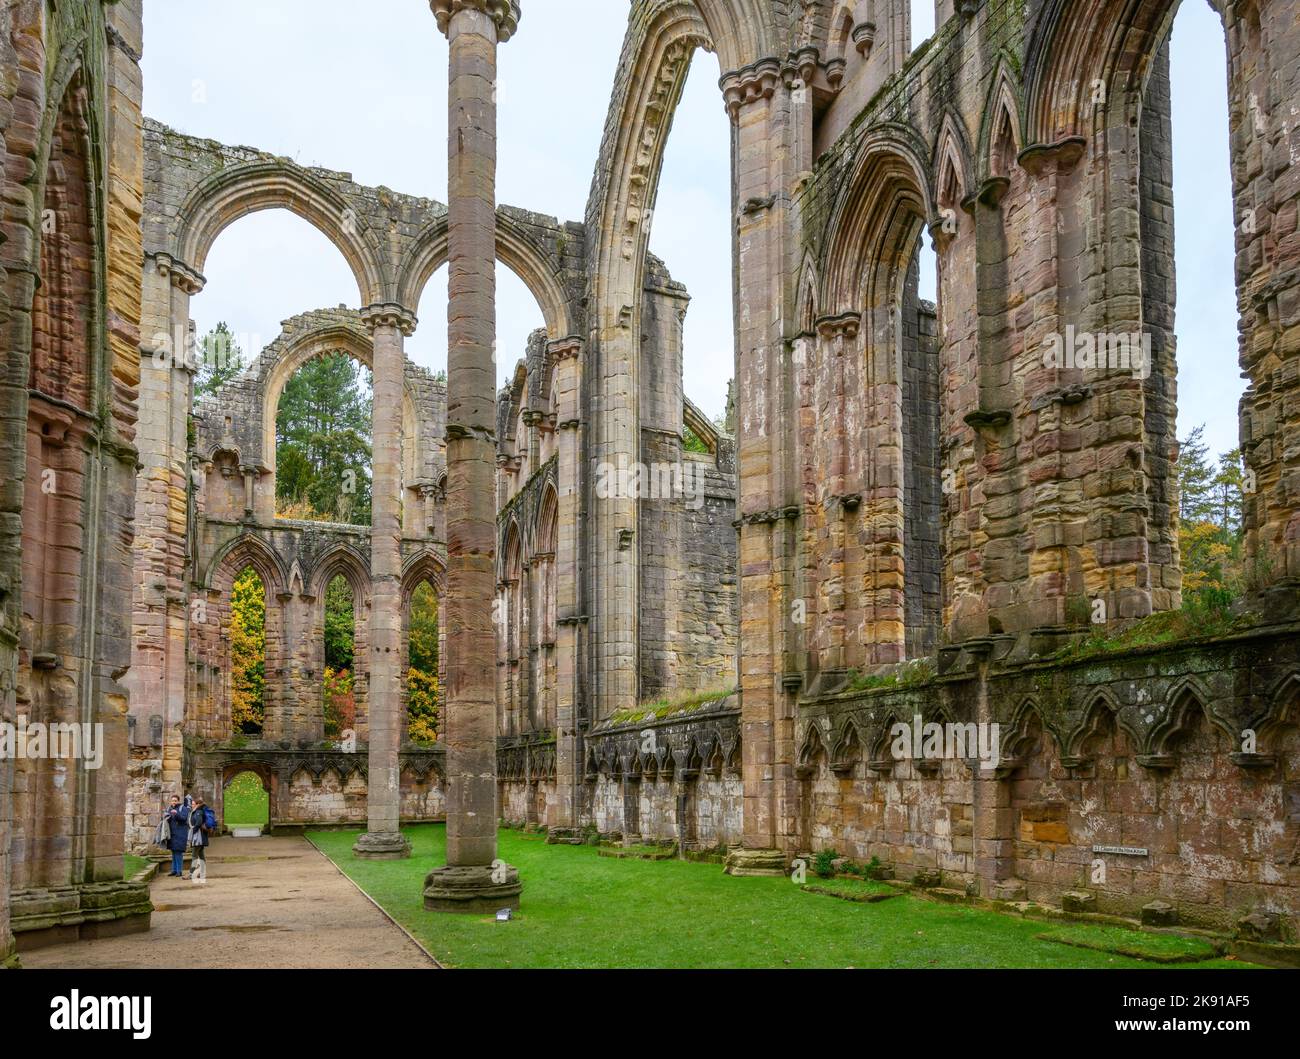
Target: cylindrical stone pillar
pixel 758 104
pixel 473 881
pixel 383 838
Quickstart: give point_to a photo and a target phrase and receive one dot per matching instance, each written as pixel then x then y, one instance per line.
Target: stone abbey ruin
pixel 941 516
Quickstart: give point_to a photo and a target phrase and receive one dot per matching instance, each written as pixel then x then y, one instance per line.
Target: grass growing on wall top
pixel 658 709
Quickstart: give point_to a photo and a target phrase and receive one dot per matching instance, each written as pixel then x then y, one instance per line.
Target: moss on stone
pixel 907 675
pixel 1194 622
pixel 659 709
pixel 1135 944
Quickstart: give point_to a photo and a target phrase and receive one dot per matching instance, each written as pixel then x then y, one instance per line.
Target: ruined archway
pixel 516 249
pixel 246 797
pixel 60 495
pixel 212 719
pixel 873 374
pixel 423 663
pixel 229 194
pixel 341 580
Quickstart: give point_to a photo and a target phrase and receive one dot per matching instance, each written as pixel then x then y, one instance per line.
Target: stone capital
pixel 752 83
pixel 844 326
pixel 389 314
pixel 505 13
pixel 564 348
pixel 802 65
pixel 864 36
pixel 183 278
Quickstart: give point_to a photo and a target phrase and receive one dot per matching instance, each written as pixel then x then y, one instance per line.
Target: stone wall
pixel 904 485
pixel 673 780
pixel 209 507
pixel 319 786
pixel 1137 775
pixel 70 310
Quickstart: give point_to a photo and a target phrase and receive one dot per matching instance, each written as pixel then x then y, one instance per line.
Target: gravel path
pixel 268 902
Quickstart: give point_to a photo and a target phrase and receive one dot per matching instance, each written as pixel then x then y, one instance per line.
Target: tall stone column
pixel 157 678
pixel 383 838
pixel 759 104
pixel 473 881
pixel 567 387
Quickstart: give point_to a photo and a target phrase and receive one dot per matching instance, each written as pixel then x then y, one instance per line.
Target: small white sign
pixel 1123 851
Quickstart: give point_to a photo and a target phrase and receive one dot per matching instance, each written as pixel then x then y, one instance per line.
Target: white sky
pixel 310 80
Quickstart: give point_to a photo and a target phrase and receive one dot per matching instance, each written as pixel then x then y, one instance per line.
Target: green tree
pixel 1230 492
pixel 247 653
pixel 220 361
pixel 1196 472
pixel 1210 530
pixel 422 691
pixel 323 449
pixel 340 628
pixel 692 442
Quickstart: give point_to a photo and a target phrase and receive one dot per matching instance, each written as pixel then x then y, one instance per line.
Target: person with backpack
pixel 177 822
pixel 203 824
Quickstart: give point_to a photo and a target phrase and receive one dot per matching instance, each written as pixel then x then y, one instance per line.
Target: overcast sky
pixel 311 80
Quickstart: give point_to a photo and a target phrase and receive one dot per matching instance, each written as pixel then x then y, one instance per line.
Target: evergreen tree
pixel 1196 473
pixel 340 626
pixel 1230 492
pixel 323 436
pixel 220 361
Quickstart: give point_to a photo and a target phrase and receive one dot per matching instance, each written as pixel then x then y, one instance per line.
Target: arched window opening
pixel 518 316
pixel 923 495
pixel 686 462
pixel 247 654
pixel 513 634
pixel 323 442
pixel 339 691
pixel 245 801
pixel 691 232
pixel 1190 300
pixel 423 688
pixel 249 291
pixel 56 555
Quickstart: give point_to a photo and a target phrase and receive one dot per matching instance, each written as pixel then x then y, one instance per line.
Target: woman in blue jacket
pixel 178 829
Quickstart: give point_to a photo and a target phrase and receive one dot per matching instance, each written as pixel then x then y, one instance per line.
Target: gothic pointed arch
pixel 877 216
pixel 952 165
pixel 1083 54
pixel 423 566
pixel 1001 134
pixel 345 560
pixel 246 549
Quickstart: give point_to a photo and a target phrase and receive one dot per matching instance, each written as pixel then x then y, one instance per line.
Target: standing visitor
pixel 178 835
pixel 203 822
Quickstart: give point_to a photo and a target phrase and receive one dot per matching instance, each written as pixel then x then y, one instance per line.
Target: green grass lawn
pixel 246 801
pixel 132 864
pixel 582 910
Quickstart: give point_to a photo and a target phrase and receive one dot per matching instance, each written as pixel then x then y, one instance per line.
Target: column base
pixel 57 915
pixel 382 845
pixel 745 862
pixel 473 890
